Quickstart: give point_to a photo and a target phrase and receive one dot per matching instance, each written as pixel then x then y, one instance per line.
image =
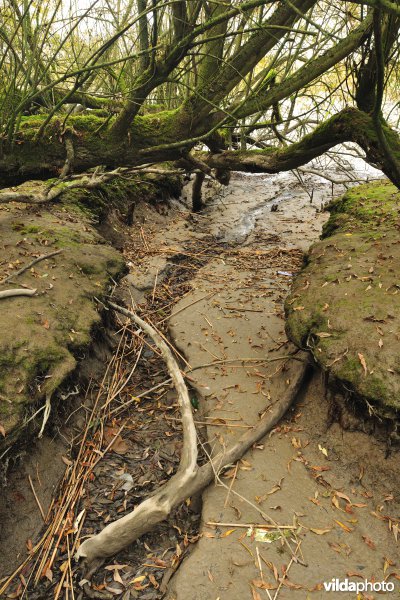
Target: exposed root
pixel 47 411
pixel 126 530
pixel 189 479
pixel 69 147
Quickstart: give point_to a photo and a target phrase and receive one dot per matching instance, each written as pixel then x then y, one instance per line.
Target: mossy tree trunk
pixel 93 147
pixel 40 145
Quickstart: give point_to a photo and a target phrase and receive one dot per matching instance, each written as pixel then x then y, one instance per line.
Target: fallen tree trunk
pixel 158 138
pixel 189 479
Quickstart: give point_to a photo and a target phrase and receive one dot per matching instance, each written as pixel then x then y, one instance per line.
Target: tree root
pixel 189 479
pixel 126 530
pixel 197 200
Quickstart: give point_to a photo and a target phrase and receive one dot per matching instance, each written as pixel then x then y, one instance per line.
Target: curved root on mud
pixel 189 479
pixel 126 530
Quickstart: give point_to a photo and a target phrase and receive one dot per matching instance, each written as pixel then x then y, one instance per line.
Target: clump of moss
pixel 364 208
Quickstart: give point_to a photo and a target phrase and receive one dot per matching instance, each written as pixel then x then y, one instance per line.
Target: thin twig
pixel 29 265
pixel 37 499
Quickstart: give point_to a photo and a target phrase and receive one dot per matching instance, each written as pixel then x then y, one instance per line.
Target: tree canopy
pixel 255 85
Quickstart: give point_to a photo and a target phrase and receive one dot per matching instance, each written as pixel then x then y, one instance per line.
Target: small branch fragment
pixel 29 265
pixel 17 292
pixel 69 147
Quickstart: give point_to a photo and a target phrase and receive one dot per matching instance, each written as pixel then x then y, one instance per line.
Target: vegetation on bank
pixel 344 303
pixel 45 336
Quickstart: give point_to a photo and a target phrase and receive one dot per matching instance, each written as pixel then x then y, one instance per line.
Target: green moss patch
pixel 345 304
pixel 43 336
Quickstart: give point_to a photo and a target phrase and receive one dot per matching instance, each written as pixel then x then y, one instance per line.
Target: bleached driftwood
pixel 123 532
pixel 17 292
pixel 189 479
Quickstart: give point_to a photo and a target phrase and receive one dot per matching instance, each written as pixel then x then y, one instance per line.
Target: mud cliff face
pixel 344 305
pixel 43 335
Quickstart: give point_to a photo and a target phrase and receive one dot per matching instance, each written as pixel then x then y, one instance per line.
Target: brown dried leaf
pixel 363 363
pixel 369 542
pixel 154 581
pixel 112 436
pixel 318 468
pixel 263 585
pixel 291 585
pixel 343 496
pixel 256 595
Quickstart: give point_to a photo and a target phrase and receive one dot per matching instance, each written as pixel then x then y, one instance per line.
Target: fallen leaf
pixel 227 533
pixel 318 468
pixel 263 585
pixel 369 542
pixel 343 496
pixel 2 430
pixel 291 585
pixel 387 563
pixel 320 531
pixel 323 334
pixel 395 531
pixel 256 595
pixel 363 363
pixel 64 566
pixel 323 450
pixel 344 527
pixel 138 579
pixel 153 581
pixel 111 436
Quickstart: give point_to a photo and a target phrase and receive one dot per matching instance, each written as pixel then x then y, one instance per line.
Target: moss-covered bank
pixel 345 304
pixel 44 337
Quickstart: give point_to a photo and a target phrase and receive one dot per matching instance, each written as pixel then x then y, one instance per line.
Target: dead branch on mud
pixel 123 532
pixel 189 479
pixel 17 292
pixel 37 192
pixel 29 265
